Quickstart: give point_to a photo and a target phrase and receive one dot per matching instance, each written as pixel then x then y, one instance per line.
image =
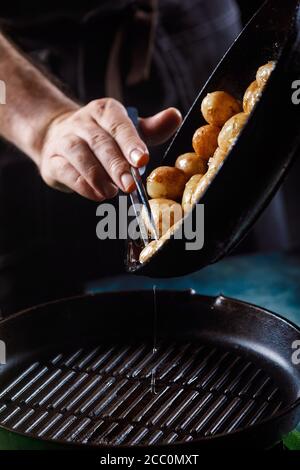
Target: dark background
pixel 279 227
pixel 248 8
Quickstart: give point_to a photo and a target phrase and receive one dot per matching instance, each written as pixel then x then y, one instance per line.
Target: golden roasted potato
pixel 218 159
pixel 165 214
pixel 191 164
pixel 231 131
pixel 218 107
pixel 205 141
pixel 264 72
pixel 188 193
pixel 251 97
pixel 166 182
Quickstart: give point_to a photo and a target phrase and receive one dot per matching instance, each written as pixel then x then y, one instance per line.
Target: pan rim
pixel 30 310
pixel 201 440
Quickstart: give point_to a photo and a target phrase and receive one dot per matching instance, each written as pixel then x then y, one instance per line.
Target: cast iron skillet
pixel 79 374
pixel 264 152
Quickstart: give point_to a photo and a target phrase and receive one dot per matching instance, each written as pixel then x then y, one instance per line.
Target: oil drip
pixel 155 347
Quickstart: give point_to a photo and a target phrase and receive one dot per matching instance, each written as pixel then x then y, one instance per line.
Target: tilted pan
pixel 258 162
pixel 82 373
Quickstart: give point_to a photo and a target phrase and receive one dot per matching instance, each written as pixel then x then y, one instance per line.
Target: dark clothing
pixel 48 244
pixel 190 37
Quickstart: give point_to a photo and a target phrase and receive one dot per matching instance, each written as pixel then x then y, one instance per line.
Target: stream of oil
pixel 154 349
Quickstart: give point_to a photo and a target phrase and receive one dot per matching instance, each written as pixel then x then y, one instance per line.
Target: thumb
pixel 160 127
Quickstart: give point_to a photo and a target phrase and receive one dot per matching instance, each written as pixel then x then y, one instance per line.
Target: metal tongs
pixel 139 196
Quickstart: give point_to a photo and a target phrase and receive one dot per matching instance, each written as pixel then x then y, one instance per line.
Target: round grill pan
pixel 82 373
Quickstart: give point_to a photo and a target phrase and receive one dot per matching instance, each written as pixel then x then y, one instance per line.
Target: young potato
pixel 264 72
pixel 189 191
pixel 165 214
pixel 251 97
pixel 166 182
pixel 218 159
pixel 218 107
pixel 205 141
pixel 191 164
pixel 231 131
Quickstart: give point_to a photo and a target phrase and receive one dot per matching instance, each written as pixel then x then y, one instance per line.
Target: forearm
pixel 32 101
pixel 87 149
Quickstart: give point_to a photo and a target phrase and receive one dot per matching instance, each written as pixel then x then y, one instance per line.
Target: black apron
pixel 158 58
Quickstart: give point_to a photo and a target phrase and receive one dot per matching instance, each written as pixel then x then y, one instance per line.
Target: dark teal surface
pixel 271 281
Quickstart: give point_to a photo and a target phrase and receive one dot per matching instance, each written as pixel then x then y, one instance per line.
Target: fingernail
pixel 139 157
pixel 127 181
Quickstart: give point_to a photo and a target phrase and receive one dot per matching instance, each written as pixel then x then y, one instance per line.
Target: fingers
pixel 60 174
pixel 159 128
pixel 111 116
pixel 78 153
pixel 110 156
pixel 91 151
